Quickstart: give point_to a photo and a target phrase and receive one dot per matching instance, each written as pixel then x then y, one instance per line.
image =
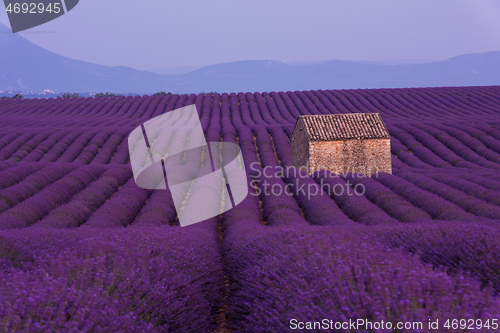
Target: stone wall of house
pixel 367 156
pixel 300 147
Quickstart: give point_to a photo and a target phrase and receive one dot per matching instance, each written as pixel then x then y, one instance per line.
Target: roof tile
pixel 332 127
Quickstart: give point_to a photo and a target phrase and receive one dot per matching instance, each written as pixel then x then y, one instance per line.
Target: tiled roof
pixel 345 126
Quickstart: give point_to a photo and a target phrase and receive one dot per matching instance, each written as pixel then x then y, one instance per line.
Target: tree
pixel 162 93
pixel 70 95
pixel 107 94
pixel 18 96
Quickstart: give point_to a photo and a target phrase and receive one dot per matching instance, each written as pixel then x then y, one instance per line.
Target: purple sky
pixel 163 34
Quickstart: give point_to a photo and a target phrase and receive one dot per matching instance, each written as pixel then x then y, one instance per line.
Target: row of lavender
pixel 308 256
pixel 266 108
pixel 163 279
pixel 421 145
pixel 445 193
pixel 78 146
pixel 111 280
pixel 436 144
pixel 151 279
pixel 436 243
pixel 284 274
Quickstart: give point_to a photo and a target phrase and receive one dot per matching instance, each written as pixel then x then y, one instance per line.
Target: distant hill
pixel 174 70
pixel 28 67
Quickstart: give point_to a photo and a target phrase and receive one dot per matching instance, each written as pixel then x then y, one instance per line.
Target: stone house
pixel 342 143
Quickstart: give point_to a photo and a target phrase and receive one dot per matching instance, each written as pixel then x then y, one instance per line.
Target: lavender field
pixel 84 249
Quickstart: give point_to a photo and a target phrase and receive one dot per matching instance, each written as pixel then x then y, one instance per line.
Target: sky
pixel 152 34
